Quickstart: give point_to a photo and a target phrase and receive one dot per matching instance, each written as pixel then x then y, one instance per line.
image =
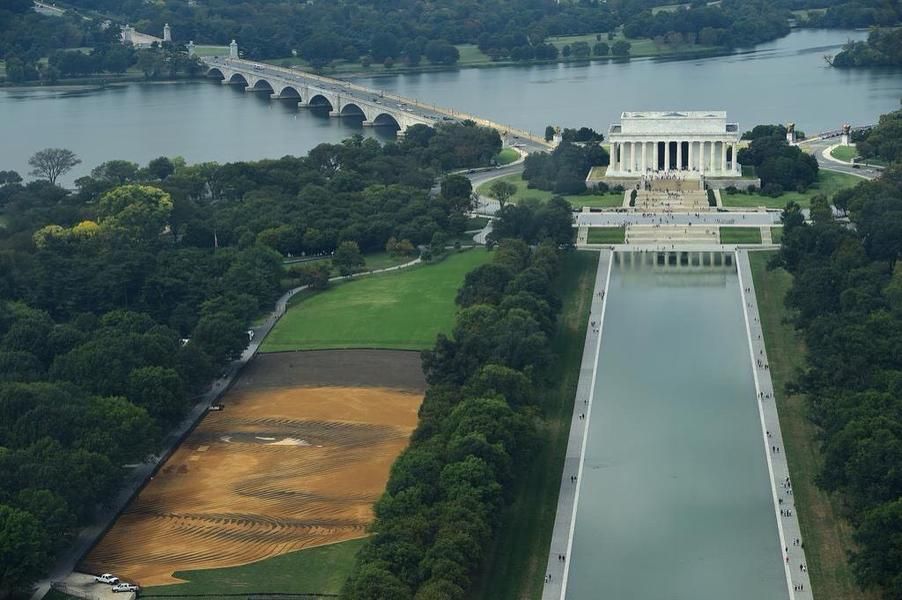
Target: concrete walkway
pixel 793 553
pixel 568 498
pixel 134 482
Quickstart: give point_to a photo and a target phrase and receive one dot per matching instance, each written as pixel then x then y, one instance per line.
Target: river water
pixel 674 499
pixel 785 80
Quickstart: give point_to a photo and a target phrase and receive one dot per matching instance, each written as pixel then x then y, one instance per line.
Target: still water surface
pixel 785 80
pixel 675 500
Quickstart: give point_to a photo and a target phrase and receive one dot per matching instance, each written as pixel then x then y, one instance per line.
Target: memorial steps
pixel 686 201
pixel 671 234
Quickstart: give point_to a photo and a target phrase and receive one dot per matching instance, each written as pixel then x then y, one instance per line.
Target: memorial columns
pixel 690 164
pixel 723 157
pixel 679 162
pixel 666 156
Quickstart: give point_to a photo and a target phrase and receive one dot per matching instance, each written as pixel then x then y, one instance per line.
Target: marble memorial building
pixel 689 142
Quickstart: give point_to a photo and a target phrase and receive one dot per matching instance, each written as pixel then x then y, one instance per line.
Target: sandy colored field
pixel 278 470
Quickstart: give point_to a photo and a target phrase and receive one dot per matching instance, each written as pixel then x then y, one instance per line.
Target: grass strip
pixel 321 570
pixel 606 235
pixel 740 235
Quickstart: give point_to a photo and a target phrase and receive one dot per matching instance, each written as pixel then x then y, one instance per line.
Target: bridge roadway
pixel 345 98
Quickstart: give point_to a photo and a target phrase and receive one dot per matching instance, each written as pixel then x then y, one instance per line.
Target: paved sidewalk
pixel 791 540
pixel 88 535
pixel 565 519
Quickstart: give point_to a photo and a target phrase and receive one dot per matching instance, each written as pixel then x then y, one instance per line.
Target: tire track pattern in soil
pixel 268 475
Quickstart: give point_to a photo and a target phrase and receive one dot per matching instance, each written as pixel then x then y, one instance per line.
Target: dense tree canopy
pixel 564 170
pixel 121 301
pixel 882 49
pixel 780 166
pixel 883 142
pixel 847 299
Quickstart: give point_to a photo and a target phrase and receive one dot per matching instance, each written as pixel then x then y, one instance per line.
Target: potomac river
pixel 785 80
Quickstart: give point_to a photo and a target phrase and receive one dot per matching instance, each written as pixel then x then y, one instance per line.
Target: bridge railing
pixel 348 85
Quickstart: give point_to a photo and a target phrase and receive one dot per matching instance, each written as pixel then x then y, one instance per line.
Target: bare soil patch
pixel 283 467
pixel 393 369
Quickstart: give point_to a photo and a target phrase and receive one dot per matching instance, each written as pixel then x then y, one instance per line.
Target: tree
pixel 457 189
pixel 549 133
pixel 139 211
pixel 51 163
pixel 620 48
pixel 877 563
pixel 601 49
pixel 222 336
pixel 161 168
pixel 9 177
pixel 502 191
pixel 347 258
pixel 24 549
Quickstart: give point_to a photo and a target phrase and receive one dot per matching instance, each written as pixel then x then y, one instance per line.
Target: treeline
pixel 780 166
pixel 731 23
pixel 564 169
pixel 883 142
pixel 847 299
pixel 407 32
pixel 477 429
pixel 844 14
pixel 882 49
pixel 77 47
pixel 121 301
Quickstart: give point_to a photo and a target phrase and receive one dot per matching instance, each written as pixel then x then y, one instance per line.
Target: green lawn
pixel 740 235
pixel 322 570
pixel 608 200
pixel 515 563
pixel 776 234
pixel 640 47
pixel 828 183
pixel 211 50
pixel 846 153
pixel 399 310
pixel 606 235
pixel 507 156
pixel 827 537
pixel 476 223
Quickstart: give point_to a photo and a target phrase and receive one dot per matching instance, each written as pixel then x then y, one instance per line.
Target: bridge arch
pixel 352 110
pixel 238 78
pixel 290 92
pixel 386 120
pixel 320 100
pixel 215 73
pixel 262 84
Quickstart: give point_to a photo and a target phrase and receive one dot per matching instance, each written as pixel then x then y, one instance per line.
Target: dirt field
pixel 293 461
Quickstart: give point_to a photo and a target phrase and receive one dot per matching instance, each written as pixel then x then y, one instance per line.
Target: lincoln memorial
pixel 686 144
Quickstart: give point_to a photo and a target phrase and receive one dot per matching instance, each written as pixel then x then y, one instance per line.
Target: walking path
pixel 90 534
pixel 568 498
pixel 791 540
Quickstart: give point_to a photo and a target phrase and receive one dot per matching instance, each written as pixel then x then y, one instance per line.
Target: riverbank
pixel 92 82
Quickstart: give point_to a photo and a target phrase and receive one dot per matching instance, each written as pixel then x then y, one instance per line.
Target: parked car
pixel 108 578
pixel 125 587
